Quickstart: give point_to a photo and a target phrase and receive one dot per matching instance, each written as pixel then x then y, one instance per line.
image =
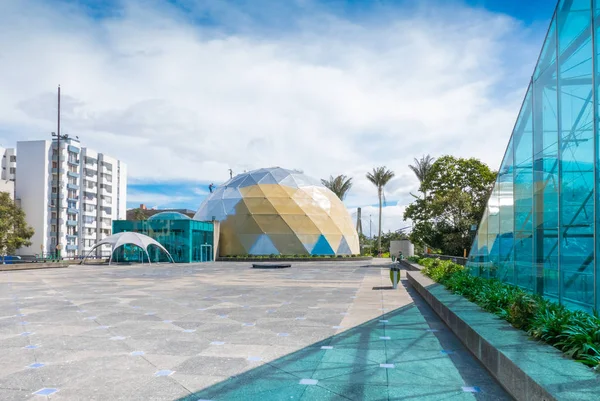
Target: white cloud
pixel 332 96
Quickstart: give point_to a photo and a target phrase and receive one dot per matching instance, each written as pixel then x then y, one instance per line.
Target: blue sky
pixel 183 90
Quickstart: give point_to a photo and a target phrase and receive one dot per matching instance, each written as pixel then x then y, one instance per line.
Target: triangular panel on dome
pixel 288 244
pixel 231 193
pixel 259 175
pixel 272 224
pixel 230 205
pixel 274 191
pixel 259 206
pixel 344 248
pixel 279 174
pixel 248 241
pixel 263 246
pixel 252 191
pixel 287 205
pixel 309 241
pixel 215 210
pixel 289 181
pixel 334 240
pixel 247 181
pixel 302 180
pixel 325 224
pixel 322 247
pixel 268 179
pixel 247 225
pixel 301 224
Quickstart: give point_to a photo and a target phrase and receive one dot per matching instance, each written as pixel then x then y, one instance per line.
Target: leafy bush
pixel 414 259
pixel 576 333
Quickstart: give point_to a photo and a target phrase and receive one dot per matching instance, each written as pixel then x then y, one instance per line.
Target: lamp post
pixel 58 214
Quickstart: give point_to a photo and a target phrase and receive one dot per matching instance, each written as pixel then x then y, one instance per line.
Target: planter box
pixel 526 368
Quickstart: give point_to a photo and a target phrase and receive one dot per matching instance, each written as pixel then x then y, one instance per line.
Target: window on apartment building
pixel 72 205
pixel 89 219
pixel 90 184
pixel 53 215
pixel 72 194
pixel 73 169
pixel 91 231
pixel 105 220
pixel 53 241
pixel 54 165
pixel 106 198
pixel 71 231
pixel 13 159
pixel 73 180
pixel 13 170
pixel 54 189
pixel 106 232
pixel 53 228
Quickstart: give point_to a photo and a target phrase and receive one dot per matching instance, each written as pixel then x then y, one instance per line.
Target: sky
pixel 184 90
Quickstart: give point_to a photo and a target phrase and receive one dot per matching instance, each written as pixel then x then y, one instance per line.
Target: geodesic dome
pixel 281 212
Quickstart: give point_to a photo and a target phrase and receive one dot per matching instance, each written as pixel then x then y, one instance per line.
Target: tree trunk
pixel 380 210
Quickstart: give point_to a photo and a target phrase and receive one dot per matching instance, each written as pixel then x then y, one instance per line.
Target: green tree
pixel 339 185
pixel 380 176
pixel 421 169
pixel 457 193
pixel 14 231
pixel 138 214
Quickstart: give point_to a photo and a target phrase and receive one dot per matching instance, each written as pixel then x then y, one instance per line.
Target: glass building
pixel 186 240
pixel 539 229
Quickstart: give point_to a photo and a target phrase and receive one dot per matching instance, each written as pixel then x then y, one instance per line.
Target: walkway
pixel 221 331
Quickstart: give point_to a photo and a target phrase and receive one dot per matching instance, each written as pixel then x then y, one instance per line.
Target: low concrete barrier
pixel 32 266
pixel 527 369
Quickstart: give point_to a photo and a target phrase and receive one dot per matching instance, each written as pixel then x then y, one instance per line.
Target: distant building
pixel 93 190
pixel 147 213
pixel 185 239
pixel 8 162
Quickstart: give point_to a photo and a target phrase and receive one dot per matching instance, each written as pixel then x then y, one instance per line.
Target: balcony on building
pixel 73 161
pixel 71 210
pixel 72 236
pixel 71 247
pixel 54 195
pixel 73 149
pixel 72 223
pixel 72 174
pixel 73 186
pixel 55 170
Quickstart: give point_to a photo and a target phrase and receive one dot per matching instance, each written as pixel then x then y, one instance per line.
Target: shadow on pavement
pixel 406 354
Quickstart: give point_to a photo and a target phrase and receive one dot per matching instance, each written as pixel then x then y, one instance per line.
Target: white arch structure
pixel 117 240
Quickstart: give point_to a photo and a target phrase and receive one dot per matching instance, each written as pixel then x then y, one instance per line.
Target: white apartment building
pixel 8 163
pixel 92 193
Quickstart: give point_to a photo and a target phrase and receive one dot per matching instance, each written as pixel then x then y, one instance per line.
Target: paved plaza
pixel 224 331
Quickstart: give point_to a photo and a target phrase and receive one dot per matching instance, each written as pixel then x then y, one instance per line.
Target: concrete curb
pixel 527 369
pixel 32 266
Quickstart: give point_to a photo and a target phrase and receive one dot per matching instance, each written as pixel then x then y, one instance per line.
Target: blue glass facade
pixel 539 229
pixel 186 240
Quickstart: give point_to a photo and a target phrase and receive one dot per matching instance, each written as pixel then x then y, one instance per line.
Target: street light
pixel 58 137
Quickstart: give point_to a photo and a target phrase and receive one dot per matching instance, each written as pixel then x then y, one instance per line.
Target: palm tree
pixel 380 176
pixel 422 168
pixel 339 185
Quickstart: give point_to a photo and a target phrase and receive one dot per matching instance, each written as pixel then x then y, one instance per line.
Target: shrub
pixel 576 333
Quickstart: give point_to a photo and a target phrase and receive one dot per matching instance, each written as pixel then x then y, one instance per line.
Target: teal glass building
pixel 540 229
pixel 186 240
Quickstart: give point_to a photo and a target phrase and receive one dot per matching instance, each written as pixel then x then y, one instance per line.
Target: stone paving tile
pixel 74 313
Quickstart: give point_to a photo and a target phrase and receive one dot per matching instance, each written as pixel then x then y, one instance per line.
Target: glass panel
pixel 577 155
pixel 506 217
pixel 545 174
pixel 523 191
